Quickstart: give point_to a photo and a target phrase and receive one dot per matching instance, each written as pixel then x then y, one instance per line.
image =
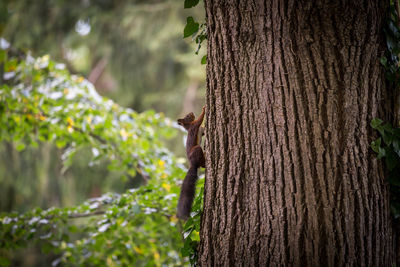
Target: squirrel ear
pixel 189 117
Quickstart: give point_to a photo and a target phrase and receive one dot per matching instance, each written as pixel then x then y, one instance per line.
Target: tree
pixel 290 175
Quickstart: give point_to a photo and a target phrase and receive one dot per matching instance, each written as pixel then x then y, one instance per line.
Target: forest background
pixel 133 52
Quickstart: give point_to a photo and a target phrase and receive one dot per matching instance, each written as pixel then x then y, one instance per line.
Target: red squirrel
pixel 196 159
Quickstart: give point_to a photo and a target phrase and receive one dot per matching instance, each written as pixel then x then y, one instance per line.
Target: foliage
pixel 389 149
pixel 42 102
pixel 191 229
pixel 194 29
pixel 387 146
pixel 391 60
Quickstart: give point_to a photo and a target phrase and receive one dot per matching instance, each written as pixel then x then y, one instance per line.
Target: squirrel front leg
pixel 200 119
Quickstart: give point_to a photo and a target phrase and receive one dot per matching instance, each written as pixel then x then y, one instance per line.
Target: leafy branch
pixel 41 102
pixel 194 29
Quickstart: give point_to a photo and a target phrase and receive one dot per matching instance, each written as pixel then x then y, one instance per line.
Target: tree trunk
pixel 290 176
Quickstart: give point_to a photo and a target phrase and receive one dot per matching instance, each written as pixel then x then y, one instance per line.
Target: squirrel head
pixel 187 120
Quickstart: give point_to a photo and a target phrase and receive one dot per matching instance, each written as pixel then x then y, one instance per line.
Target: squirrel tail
pixel 188 191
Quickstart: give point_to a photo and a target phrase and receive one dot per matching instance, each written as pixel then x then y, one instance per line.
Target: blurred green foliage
pixel 41 102
pixel 132 50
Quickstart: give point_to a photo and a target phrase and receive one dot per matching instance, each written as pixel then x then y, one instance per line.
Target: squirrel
pixel 196 159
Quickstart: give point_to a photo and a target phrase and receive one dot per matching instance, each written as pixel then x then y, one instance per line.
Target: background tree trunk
pixel 291 179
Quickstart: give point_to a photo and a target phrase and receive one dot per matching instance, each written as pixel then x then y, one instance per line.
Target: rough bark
pixel 290 177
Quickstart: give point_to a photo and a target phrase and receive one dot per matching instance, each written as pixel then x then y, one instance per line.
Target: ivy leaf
pixel 376 144
pixel 388 128
pixel 376 122
pixel 381 152
pixel 190 3
pixel 387 138
pixel 190 28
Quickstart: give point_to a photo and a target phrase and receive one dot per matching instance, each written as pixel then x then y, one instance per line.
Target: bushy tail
pixel 188 191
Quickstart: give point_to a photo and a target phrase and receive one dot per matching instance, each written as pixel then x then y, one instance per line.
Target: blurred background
pixel 132 51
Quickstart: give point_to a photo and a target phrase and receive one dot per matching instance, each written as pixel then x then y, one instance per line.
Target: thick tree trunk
pixel 291 179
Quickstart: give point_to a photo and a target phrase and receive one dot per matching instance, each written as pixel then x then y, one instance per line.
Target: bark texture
pixel 290 176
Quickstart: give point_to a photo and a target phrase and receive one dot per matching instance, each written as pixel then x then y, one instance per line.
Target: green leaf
pixel 376 122
pixel 387 138
pixel 190 3
pixel 388 127
pixel 188 225
pixel 381 152
pixel 187 247
pixel 375 145
pixel 204 60
pixel 190 28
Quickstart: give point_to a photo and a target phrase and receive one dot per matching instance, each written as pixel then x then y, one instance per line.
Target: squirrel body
pixel 196 159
